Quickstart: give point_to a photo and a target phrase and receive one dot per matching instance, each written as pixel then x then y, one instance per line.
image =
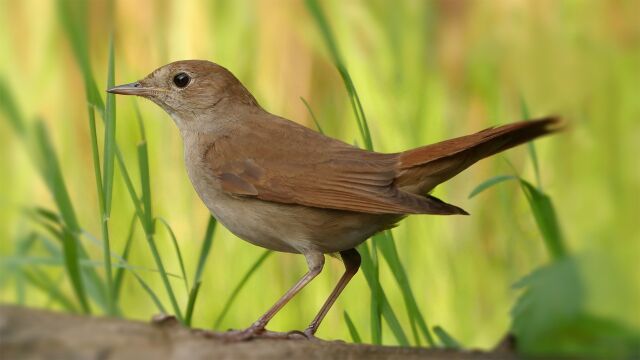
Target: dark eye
pixel 181 80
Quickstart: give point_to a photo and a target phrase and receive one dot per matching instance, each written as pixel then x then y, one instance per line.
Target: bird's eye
pixel 181 80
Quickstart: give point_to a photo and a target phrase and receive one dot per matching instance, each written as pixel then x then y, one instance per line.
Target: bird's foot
pixel 256 332
pixel 308 334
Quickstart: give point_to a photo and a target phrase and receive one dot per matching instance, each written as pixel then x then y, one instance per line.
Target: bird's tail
pixel 421 169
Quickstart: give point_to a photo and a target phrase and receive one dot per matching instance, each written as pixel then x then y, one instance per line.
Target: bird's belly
pixel 288 227
pixel 294 228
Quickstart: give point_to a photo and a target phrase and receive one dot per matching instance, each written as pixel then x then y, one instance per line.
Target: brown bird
pixel 284 187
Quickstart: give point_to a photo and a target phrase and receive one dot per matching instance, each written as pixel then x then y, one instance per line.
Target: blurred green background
pixel 425 71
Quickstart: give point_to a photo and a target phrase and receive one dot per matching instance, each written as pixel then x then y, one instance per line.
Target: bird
pixel 285 187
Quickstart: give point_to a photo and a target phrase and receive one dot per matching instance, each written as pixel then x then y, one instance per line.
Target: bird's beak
pixel 134 88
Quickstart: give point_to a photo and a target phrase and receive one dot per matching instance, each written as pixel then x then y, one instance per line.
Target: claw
pixel 252 332
pixel 296 334
pixel 243 335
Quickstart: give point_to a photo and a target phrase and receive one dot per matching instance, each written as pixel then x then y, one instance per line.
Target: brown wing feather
pixel 318 172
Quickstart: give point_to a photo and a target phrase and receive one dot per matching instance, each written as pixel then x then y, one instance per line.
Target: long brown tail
pixel 421 169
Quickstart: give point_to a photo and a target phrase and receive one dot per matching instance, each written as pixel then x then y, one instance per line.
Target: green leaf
pixel 546 219
pixel 176 247
pixel 40 280
pixel 390 253
pixel 355 336
pixel 50 169
pixel 10 109
pixel 143 164
pixel 243 281
pixel 524 111
pixel 72 264
pixel 370 270
pixel 119 277
pixel 109 134
pixel 313 116
pixel 447 340
pixel 191 304
pixel 551 293
pixel 151 294
pixel 72 15
pixel 380 304
pixel 207 242
pixel 489 183
pixel 321 21
pixel 24 244
pixel 149 225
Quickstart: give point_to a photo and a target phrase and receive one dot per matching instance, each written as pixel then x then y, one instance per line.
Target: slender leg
pixel 351 260
pixel 315 262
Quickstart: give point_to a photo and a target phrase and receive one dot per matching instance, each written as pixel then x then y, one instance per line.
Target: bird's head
pixel 194 92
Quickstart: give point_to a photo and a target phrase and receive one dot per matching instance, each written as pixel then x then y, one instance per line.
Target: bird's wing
pixel 309 169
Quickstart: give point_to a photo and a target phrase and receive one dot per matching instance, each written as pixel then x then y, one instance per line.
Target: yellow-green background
pixel 425 71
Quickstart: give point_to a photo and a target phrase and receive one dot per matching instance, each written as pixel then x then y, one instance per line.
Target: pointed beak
pixel 134 88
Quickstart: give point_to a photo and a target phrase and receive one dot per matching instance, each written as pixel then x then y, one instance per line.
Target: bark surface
pixel 38 334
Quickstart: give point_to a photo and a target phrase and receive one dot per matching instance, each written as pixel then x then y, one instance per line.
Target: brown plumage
pixel 282 186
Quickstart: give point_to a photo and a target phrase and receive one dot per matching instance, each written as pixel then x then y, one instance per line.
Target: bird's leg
pixel 351 260
pixel 315 261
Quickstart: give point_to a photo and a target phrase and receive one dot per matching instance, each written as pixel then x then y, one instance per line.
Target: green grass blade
pixel 392 320
pixel 240 286
pixel 321 21
pixel 71 15
pixel 149 225
pixel 149 236
pixel 381 307
pixel 205 249
pixel 524 111
pixel 109 134
pixel 119 277
pixel 546 219
pixel 151 294
pixel 447 340
pixel 9 107
pixel 369 269
pixel 72 264
pixel 46 214
pixel 489 183
pixel 207 242
pixel 143 164
pixel 176 247
pixel 73 29
pixel 129 185
pixel 23 247
pixel 50 168
pixel 191 304
pixel 108 174
pixel 53 224
pixel 355 336
pixel 40 280
pixel 390 254
pixel 104 219
pixel 313 116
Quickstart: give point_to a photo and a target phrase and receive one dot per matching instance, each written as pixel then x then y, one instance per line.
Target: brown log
pixel 38 334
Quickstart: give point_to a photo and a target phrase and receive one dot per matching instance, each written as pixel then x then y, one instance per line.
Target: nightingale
pixel 287 188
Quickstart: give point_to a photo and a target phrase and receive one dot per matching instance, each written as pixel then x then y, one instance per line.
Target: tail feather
pixel 421 169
